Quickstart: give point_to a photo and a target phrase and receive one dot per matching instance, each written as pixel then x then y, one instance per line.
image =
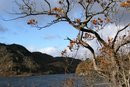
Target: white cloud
pixel 53 51
pixel 82 53
pixel 108 31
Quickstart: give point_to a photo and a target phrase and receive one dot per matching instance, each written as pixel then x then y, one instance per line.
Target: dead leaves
pixel 32 22
pixel 125 4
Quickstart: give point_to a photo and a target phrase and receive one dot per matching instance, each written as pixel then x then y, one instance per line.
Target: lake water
pixel 57 80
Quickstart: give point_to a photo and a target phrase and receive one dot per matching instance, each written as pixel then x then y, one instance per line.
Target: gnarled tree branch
pixel 125 42
pixel 117 34
pixel 96 34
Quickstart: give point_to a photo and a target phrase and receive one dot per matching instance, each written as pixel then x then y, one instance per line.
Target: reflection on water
pixel 57 80
pixel 36 81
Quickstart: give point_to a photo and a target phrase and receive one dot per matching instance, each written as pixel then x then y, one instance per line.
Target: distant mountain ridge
pixel 17 60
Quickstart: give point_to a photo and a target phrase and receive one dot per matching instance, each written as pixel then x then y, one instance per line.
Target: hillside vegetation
pixel 17 60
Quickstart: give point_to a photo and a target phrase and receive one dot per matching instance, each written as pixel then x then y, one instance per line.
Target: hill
pixel 17 60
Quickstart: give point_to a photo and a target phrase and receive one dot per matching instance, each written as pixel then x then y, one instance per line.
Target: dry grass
pixel 69 82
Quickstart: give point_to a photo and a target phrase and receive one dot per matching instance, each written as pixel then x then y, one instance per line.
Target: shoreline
pixel 33 75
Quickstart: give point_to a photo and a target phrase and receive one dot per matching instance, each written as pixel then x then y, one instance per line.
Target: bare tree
pixel 84 23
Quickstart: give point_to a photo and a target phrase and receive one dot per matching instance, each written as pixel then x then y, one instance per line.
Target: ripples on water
pixel 35 81
pixel 42 81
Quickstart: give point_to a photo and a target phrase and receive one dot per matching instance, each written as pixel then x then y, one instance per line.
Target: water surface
pixel 57 80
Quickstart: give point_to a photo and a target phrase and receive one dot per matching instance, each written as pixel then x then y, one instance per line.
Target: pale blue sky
pixel 49 40
pixel 17 31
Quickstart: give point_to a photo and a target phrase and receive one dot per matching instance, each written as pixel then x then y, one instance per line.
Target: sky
pixel 50 40
pixel 45 40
